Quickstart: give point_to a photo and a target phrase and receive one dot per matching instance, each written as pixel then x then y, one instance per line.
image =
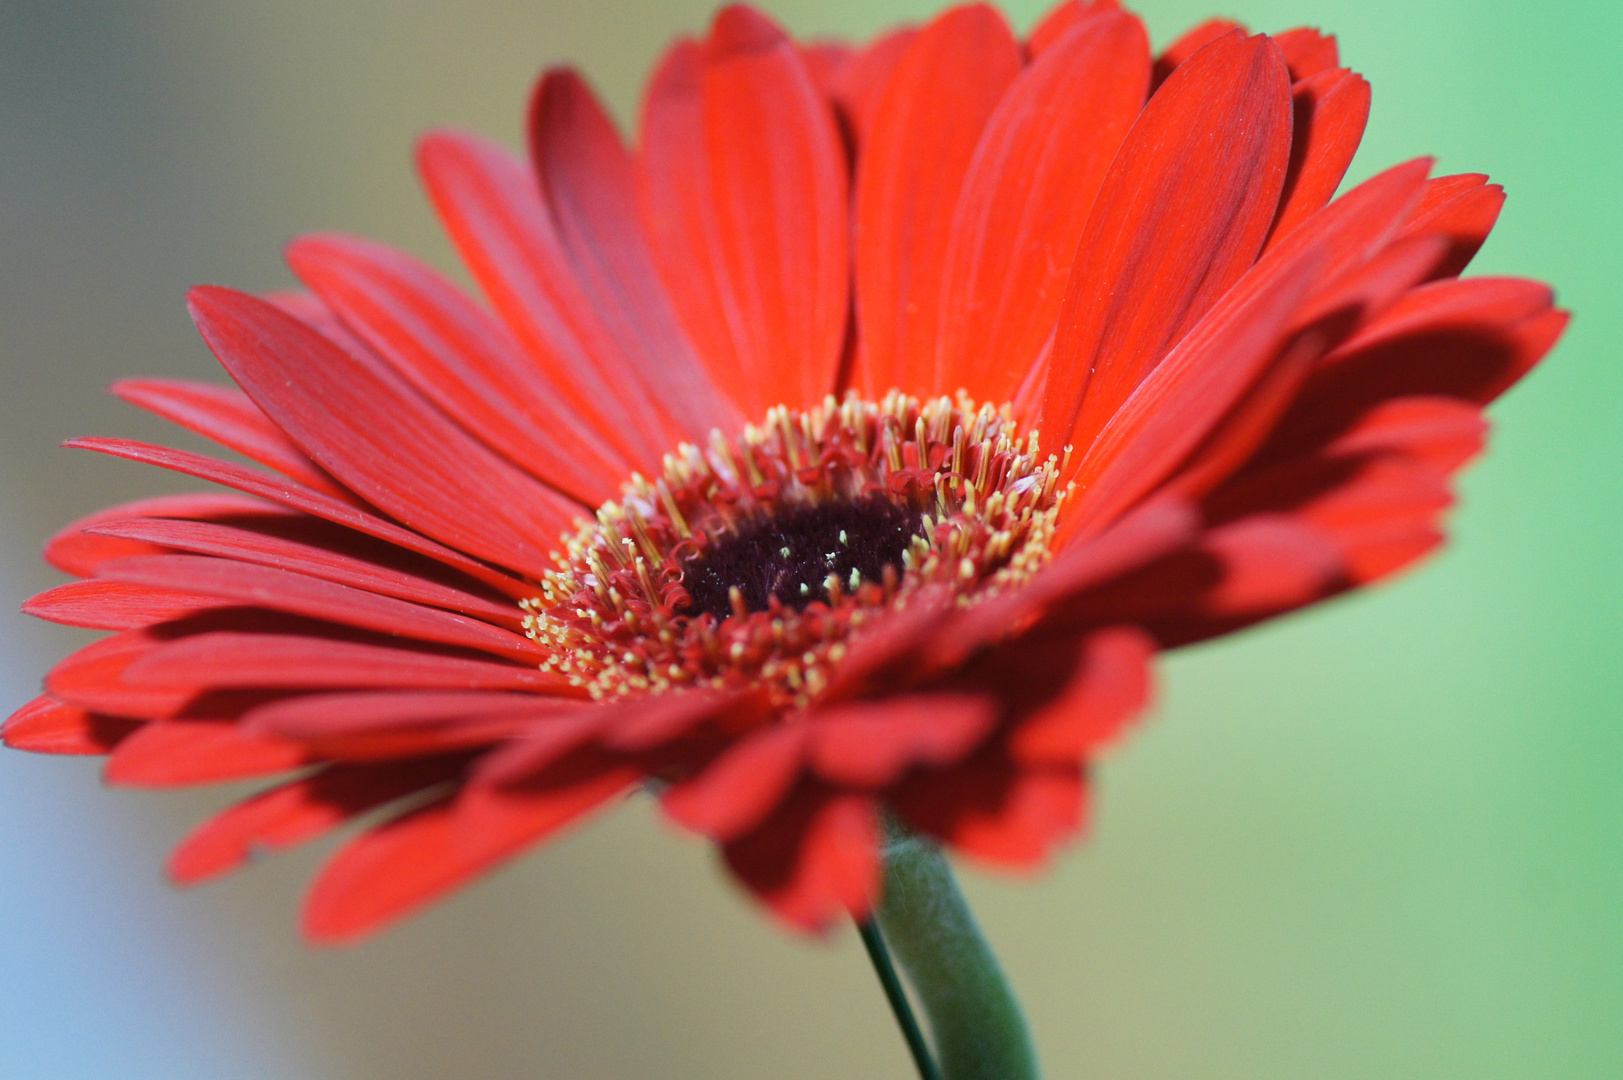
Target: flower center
pixel 751 562
pixel 790 556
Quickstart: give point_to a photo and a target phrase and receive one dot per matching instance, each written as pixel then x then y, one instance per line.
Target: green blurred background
pixel 1384 839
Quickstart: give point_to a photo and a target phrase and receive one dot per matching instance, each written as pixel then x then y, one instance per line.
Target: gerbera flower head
pixel 847 446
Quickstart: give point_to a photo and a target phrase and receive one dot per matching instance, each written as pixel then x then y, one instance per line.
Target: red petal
pixel 492 206
pixel 1061 19
pixel 1261 327
pixel 93 678
pixel 300 498
pixel 1443 432
pixel 380 440
pixel 542 746
pixel 1006 814
pixel 1331 110
pixel 412 860
pixel 871 744
pixel 266 548
pixel 112 605
pixel 460 359
pixel 925 130
pixel 1307 52
pixel 825 61
pixel 862 81
pixel 1386 518
pixel 389 724
pixel 1026 198
pixel 76 551
pixel 1182 215
pixel 1354 228
pixel 300 594
pixel 1357 295
pixel 778 199
pixel 1187 46
pixel 229 418
pixel 588 182
pixel 171 753
pixel 48 726
pixel 1462 208
pixel 1469 339
pixel 1172 410
pixel 1109 687
pixel 737 790
pixel 814 862
pixel 1269 564
pixel 656 720
pixel 296 813
pixel 233 659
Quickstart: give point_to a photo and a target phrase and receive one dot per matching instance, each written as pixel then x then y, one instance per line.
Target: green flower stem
pixel 975 1021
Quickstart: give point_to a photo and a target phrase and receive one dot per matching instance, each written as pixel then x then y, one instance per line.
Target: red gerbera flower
pixel 921 391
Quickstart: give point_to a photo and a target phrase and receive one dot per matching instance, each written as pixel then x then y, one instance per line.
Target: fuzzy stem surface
pixel 976 1025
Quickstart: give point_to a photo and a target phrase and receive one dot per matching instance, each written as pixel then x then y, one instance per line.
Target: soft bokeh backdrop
pixel 1382 839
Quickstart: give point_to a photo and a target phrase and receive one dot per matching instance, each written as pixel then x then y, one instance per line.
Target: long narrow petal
pixel 374 725
pixel 1026 198
pixel 1061 19
pixel 589 185
pixel 227 416
pixel 924 134
pixel 296 813
pixel 299 594
pixel 402 865
pixel 113 605
pixel 996 810
pixel 228 659
pixel 1182 215
pixel 862 81
pixel 737 790
pixel 300 498
pixel 492 207
pixel 1192 41
pixel 386 445
pixel 1331 110
pixel 48 726
pixel 93 679
pixel 263 546
pixel 1308 52
pixel 777 181
pixel 77 549
pixel 1462 208
pixel 1468 339
pixel 460 359
pixel 178 753
pixel 1110 686
pixel 1172 410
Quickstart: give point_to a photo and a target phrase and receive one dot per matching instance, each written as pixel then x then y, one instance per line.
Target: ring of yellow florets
pixel 976 506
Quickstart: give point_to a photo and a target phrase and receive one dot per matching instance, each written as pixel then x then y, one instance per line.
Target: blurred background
pixel 1381 839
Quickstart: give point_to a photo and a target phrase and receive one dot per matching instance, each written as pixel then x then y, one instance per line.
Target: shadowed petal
pixel 402 865
pixel 48 726
pixel 814 861
pixel 296 813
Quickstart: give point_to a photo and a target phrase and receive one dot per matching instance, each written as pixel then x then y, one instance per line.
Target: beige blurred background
pixel 1380 840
